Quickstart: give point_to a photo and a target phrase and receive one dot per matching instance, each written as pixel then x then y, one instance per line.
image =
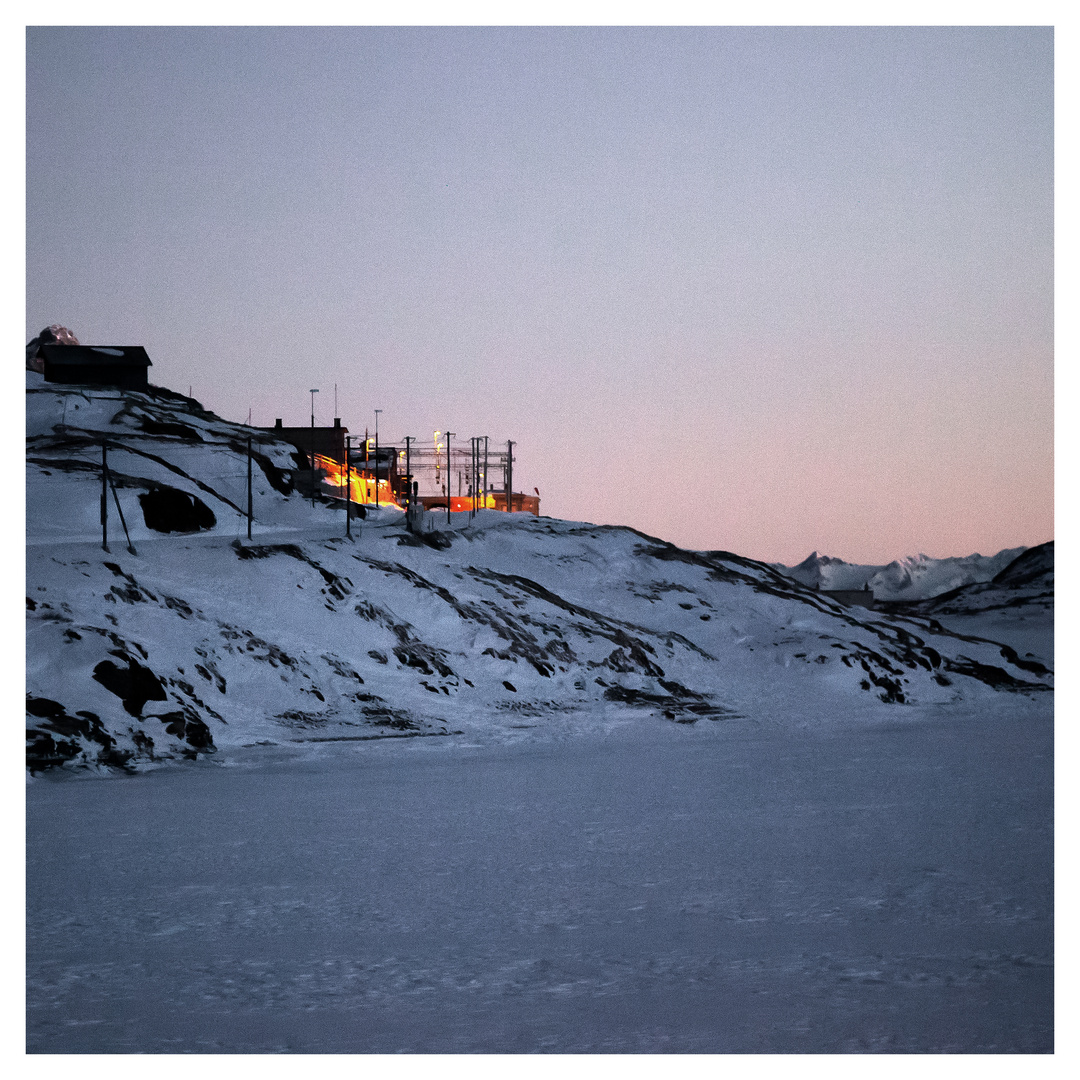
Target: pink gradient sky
pixel 764 290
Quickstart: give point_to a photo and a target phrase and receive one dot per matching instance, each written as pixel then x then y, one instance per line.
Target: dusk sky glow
pixel 758 289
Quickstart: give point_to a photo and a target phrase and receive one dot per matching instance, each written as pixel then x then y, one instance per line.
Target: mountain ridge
pixel 914 577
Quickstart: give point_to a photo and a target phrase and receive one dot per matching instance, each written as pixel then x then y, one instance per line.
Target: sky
pixel 765 290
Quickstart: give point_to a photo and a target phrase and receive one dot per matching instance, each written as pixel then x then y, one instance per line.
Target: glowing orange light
pixel 362 487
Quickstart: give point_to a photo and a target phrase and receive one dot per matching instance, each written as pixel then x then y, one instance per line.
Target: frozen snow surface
pixel 862 885
pixel 516 784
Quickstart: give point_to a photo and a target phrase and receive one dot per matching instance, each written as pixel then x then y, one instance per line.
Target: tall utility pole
pixel 484 503
pixel 408 472
pixel 348 489
pixel 509 476
pixel 475 471
pixel 104 499
pixel 313 393
pixel 377 411
pixel 448 434
pixel 249 488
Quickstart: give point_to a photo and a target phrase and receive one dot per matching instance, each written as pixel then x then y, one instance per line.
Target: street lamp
pixel 377 411
pixel 313 393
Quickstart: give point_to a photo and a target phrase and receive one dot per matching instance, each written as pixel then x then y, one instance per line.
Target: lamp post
pixel 313 393
pixel 377 411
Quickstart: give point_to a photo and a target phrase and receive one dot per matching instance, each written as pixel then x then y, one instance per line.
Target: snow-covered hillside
pixel 204 641
pixel 1016 607
pixel 917 577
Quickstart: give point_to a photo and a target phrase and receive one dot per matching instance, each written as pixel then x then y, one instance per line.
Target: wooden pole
pixel 123 523
pixel 348 488
pixel 410 514
pixel 448 487
pixel 377 411
pixel 104 499
pixel 509 476
pixel 313 393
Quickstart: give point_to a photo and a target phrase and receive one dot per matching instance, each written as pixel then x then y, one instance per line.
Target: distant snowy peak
pixel 916 577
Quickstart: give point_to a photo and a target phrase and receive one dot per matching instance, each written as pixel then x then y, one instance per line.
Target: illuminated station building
pixel 476 473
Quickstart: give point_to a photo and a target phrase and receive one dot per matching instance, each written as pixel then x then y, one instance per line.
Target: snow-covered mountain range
pixel 202 641
pixel 917 577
